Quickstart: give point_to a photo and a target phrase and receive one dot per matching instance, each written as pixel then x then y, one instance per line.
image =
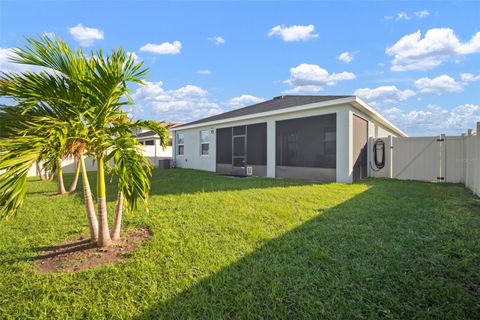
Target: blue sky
pixel 418 63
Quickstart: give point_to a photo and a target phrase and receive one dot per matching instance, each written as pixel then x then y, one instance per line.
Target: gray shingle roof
pixel 146 134
pixel 276 103
pixel 150 133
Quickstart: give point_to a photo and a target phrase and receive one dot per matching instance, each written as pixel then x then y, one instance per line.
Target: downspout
pixel 155 148
pixel 174 149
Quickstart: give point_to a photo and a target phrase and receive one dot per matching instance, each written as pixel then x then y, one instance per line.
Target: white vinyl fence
pixel 68 166
pixel 152 153
pixel 453 159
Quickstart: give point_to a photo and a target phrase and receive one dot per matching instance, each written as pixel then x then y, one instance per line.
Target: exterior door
pixel 239 150
pixel 360 139
pixel 239 155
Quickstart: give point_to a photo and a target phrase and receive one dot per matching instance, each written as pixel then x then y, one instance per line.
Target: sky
pixel 417 63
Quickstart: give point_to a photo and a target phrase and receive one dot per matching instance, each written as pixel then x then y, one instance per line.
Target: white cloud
pixel 243 101
pixel 182 105
pixel 294 33
pixel 412 52
pixel 204 72
pixel 384 94
pixel 472 46
pixel 7 66
pixel 422 13
pixel 346 57
pixel 439 85
pixel 434 120
pixel 468 77
pixel 163 48
pixel 311 78
pixel 402 16
pixel 218 40
pixel 136 58
pixel 85 35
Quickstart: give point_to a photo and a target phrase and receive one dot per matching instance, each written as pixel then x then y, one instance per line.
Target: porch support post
pixel 344 161
pixel 271 148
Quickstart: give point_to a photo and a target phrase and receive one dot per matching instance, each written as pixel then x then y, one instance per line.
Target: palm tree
pixel 87 93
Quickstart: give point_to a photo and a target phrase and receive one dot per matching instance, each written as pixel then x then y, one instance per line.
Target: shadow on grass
pixel 368 257
pixel 62 250
pixel 48 252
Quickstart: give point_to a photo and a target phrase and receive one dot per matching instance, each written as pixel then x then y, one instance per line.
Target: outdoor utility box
pixel 165 163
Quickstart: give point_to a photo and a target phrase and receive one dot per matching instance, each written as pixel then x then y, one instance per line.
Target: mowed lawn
pixel 257 248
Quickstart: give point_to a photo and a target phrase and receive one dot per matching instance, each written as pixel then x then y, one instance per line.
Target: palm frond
pixel 17 156
pixel 132 169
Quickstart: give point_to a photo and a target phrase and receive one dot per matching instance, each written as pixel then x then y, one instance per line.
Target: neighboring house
pixel 151 146
pixel 321 138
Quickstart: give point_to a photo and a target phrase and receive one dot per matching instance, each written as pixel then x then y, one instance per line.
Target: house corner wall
pixel 192 157
pixel 476 149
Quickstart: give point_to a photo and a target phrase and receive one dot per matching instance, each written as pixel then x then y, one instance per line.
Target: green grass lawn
pixel 257 248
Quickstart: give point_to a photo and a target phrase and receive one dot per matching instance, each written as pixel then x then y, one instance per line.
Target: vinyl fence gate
pixel 429 159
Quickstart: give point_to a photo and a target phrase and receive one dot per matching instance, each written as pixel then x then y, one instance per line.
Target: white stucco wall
pixel 192 158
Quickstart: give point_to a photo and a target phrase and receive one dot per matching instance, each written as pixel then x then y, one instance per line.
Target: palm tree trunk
pixel 87 194
pixel 61 185
pixel 39 171
pixel 104 239
pixel 44 174
pixel 117 225
pixel 73 186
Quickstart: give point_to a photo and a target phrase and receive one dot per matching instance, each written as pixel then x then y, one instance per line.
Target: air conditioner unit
pixel 249 171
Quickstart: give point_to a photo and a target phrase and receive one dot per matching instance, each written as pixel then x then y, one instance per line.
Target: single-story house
pixel 151 147
pixel 322 138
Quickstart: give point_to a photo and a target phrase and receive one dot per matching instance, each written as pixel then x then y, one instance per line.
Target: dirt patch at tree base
pixel 82 254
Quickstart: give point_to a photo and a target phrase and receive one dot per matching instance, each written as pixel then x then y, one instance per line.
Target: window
pixel 204 142
pixel 149 142
pixel 180 144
